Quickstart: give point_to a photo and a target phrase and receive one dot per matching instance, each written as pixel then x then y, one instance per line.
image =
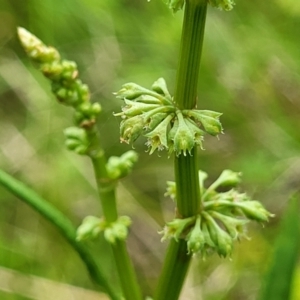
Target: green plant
pixel 207 220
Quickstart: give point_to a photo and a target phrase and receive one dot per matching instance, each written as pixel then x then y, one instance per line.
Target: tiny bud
pixel 158 136
pixel 195 239
pixel 118 167
pixel 132 91
pixel 90 228
pixel 171 190
pixel 184 138
pixel 160 86
pixel 176 228
pixel 227 178
pixel 254 210
pixel 220 238
pixel 36 49
pixel 133 108
pixel 131 129
pixel 210 123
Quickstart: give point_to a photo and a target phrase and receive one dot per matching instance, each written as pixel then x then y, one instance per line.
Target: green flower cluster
pixel 222 4
pixel 67 87
pixel 220 221
pixel 227 5
pixel 92 226
pixel 153 113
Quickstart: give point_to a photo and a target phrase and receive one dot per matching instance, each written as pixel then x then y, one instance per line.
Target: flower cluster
pixel 227 5
pixel 67 87
pixel 222 4
pixel 222 217
pixel 153 113
pixel 92 226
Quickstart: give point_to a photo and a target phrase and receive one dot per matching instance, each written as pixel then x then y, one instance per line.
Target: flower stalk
pixel 186 167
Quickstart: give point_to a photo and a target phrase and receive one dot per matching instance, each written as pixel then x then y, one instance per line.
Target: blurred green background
pixel 250 72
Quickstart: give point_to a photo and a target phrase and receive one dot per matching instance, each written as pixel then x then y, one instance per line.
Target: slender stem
pixel 106 188
pixel 186 167
pixel 172 277
pixel 62 223
pixel 190 53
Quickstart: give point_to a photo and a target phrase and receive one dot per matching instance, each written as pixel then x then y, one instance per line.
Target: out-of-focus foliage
pixel 250 71
pixel 279 278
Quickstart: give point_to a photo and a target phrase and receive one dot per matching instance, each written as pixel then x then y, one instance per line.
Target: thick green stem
pixel 186 167
pixel 106 188
pixel 62 223
pixel 172 277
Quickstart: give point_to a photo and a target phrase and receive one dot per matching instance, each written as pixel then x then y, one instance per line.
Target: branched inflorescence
pixel 153 113
pixel 81 138
pixel 221 219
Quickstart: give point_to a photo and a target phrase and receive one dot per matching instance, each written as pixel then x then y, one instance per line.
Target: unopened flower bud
pixel 90 228
pixel 77 140
pixel 176 228
pixel 131 129
pixel 227 178
pixel 117 230
pixel 160 86
pixel 195 239
pixel 220 238
pixel 157 138
pixel 36 49
pixel 184 138
pixel 118 167
pixel 210 123
pixel 234 226
pixel 254 210
pixel 132 91
pixel 171 190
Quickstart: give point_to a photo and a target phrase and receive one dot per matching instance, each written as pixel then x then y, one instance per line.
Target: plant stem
pixel 186 167
pixel 106 188
pixel 62 223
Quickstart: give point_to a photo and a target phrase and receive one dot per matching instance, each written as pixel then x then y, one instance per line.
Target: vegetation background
pixel 250 71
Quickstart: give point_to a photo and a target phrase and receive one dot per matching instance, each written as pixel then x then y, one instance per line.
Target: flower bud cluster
pixel 222 217
pixel 91 227
pixel 227 5
pixel 153 114
pixel 67 87
pixel 118 167
pixel 222 4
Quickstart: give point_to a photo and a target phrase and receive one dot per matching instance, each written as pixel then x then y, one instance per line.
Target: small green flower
pixel 134 108
pixel 131 129
pixel 157 138
pixel 184 138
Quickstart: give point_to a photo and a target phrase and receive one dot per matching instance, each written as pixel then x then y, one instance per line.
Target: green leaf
pixel 278 280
